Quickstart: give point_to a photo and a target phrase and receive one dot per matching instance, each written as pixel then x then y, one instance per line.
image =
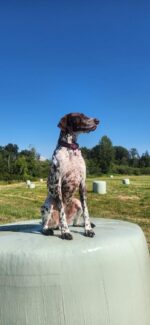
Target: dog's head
pixel 77 122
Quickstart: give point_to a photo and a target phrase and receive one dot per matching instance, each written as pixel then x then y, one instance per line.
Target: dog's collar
pixel 72 146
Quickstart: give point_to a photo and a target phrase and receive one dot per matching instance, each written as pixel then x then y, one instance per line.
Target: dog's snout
pixel 96 121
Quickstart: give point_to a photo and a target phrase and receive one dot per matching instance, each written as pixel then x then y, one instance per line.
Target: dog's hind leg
pixel 73 211
pixel 87 224
pixel 46 213
pixel 78 211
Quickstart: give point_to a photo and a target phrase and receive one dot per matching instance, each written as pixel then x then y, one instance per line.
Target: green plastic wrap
pixel 103 280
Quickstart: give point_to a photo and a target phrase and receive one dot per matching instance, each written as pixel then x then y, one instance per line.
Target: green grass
pixel 131 203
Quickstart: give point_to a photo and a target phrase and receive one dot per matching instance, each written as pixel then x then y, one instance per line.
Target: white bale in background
pixel 111 176
pixel 28 182
pixel 32 185
pixel 41 180
pixel 126 181
pixel 99 187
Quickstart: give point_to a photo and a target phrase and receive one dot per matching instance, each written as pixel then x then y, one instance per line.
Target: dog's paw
pixel 89 233
pixel 47 232
pixel 66 235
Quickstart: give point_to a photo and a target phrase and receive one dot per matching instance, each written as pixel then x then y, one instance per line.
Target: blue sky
pixel 57 57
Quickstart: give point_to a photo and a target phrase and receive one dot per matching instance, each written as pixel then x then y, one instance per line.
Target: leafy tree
pixel 134 153
pixel 44 167
pixel 95 153
pixel 31 158
pixel 134 157
pixel 10 153
pixel 106 154
pixel 86 152
pixel 121 155
pixel 21 167
pixel 145 160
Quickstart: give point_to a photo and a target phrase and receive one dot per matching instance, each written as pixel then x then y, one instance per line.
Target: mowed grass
pixel 124 202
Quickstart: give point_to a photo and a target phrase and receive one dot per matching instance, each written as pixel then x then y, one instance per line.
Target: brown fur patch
pixel 71 209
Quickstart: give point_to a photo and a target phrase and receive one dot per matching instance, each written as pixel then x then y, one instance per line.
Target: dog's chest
pixel 68 170
pixel 71 164
pixel 70 160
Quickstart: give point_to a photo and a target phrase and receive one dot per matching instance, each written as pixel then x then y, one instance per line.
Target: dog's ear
pixel 63 123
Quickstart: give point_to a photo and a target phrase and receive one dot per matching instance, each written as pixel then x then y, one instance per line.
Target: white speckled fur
pixel 67 175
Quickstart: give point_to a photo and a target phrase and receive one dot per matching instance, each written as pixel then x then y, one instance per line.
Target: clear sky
pixel 62 56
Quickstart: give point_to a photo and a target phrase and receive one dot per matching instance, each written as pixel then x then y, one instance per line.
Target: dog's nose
pixel 96 121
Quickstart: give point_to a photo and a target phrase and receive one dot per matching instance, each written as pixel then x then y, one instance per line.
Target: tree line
pixel 104 158
pixel 21 165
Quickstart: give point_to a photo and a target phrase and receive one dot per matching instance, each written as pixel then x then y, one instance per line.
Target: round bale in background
pixel 99 187
pixel 32 185
pixel 126 181
pixel 28 182
pixel 93 281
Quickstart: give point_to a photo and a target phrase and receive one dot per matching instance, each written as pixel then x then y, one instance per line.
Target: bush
pixel 125 170
pixel 145 170
pixel 92 168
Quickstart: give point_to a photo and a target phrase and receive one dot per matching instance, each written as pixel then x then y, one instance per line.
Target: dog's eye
pixel 78 120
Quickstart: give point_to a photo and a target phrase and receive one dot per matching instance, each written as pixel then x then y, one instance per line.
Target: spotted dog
pixel 66 176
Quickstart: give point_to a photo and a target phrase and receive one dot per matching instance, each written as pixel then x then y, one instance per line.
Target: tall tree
pixel 145 160
pixel 10 155
pixel 86 152
pixel 121 155
pixel 106 154
pixel 134 157
pixel 21 168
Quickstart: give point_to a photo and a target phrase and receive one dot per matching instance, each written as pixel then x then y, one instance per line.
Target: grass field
pixel 130 203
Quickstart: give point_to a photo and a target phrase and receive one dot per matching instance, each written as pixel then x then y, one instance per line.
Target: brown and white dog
pixel 67 175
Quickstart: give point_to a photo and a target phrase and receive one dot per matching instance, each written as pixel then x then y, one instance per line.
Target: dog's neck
pixel 68 137
pixel 68 140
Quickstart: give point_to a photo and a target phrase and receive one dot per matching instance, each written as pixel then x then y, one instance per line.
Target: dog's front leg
pixel 57 195
pixel 65 232
pixel 88 229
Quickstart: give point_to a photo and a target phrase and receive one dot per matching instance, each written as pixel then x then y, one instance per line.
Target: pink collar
pixel 73 146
